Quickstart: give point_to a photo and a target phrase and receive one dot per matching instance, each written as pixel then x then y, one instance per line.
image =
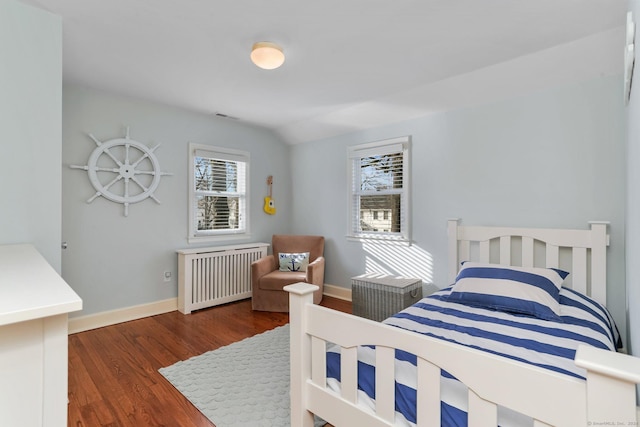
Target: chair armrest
pixel 315 272
pixel 263 266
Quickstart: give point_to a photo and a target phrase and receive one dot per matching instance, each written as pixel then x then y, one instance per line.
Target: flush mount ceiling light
pixel 267 55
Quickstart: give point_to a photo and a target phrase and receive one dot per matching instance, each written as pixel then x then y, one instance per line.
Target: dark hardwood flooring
pixel 113 371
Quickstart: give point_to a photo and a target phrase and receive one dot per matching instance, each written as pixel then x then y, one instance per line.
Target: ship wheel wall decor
pixel 123 170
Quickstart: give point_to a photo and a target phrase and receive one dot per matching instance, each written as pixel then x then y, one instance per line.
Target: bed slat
pixel 349 373
pixel 428 398
pixel 452 247
pixel 599 242
pixel 527 252
pixel 484 251
pixel 464 252
pixel 385 383
pixel 505 250
pixel 319 353
pixel 579 270
pixel 552 256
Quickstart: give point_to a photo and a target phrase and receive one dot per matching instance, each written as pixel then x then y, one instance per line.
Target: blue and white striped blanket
pixel 544 343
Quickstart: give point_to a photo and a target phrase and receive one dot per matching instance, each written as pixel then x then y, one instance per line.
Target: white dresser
pixel 34 302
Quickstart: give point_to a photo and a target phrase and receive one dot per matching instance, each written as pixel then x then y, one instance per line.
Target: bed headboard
pixel 581 252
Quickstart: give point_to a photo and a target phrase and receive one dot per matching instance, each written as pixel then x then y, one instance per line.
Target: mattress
pixel 544 343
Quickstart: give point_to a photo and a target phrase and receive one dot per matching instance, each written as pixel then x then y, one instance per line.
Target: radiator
pixel 216 275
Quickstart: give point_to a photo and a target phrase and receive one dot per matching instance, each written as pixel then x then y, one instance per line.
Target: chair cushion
pixel 276 280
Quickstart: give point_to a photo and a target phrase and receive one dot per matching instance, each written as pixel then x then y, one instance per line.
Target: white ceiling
pixel 350 64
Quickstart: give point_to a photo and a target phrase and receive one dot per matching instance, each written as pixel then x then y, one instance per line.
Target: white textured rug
pixel 242 384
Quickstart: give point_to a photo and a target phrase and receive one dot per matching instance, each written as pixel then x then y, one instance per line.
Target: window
pixel 379 190
pixel 218 202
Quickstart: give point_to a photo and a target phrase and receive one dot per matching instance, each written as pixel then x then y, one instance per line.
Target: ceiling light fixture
pixel 267 55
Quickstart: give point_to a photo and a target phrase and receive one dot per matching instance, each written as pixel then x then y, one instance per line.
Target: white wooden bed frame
pixel 607 396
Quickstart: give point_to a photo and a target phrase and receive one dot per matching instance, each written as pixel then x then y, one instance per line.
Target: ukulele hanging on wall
pixel 269 205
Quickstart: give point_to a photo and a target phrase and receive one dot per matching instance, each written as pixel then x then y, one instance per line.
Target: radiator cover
pixel 216 275
pixel 377 296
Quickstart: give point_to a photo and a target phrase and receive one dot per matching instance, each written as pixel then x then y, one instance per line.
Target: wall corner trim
pixel 112 317
pixel 339 292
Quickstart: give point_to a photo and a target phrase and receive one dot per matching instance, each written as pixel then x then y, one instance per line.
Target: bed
pixel 416 369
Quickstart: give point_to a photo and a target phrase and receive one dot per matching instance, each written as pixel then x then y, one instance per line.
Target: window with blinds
pixel 218 191
pixel 379 186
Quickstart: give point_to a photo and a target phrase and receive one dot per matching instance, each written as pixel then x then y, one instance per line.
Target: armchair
pixel 267 280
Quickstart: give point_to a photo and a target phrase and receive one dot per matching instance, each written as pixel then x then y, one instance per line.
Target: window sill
pixel 387 240
pixel 219 238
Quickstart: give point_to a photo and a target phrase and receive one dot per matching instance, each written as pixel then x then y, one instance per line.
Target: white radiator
pixel 216 275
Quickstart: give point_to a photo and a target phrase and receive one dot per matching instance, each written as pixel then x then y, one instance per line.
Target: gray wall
pixel 30 128
pixel 555 158
pixel 114 261
pixel 552 159
pixel 633 202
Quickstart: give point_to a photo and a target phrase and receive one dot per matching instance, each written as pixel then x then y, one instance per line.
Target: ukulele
pixel 269 205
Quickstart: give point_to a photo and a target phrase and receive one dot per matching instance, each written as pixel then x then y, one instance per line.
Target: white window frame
pixel 222 153
pixel 354 154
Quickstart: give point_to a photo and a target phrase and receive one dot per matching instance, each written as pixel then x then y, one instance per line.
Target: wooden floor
pixel 113 371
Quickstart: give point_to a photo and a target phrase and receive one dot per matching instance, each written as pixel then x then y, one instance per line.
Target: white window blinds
pixel 218 202
pixel 379 190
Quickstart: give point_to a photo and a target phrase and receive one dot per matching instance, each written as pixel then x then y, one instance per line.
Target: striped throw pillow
pixel 520 290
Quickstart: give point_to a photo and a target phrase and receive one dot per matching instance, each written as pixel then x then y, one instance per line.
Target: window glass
pixel 218 200
pixel 379 190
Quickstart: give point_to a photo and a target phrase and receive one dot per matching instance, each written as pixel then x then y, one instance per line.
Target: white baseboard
pixel 107 318
pixel 337 292
pixel 112 317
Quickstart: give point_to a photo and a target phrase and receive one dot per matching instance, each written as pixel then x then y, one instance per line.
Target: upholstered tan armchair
pixel 267 279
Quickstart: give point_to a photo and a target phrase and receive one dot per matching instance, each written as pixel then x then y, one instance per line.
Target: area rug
pixel 242 384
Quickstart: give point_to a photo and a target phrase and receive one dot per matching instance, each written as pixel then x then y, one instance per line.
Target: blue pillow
pixel 521 290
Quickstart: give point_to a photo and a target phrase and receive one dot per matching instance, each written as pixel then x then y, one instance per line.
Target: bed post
pixel 599 243
pixel 611 384
pixel 300 296
pixel 452 235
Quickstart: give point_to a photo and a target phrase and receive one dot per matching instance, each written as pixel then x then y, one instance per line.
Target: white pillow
pixel 531 291
pixel 294 261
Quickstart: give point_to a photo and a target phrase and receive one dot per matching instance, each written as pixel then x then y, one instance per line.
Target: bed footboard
pixel 606 397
